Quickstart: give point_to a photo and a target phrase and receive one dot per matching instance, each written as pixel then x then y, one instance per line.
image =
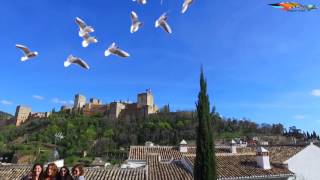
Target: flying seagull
pixel 87 39
pixel 27 53
pixel 136 24
pixel 114 49
pixel 75 60
pixel 162 21
pixel 84 29
pixel 185 5
pixel 141 1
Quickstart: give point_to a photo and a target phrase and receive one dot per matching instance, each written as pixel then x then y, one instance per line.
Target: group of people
pixel 52 173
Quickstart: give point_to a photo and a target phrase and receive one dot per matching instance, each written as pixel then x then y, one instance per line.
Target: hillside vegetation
pixel 5 116
pixel 99 136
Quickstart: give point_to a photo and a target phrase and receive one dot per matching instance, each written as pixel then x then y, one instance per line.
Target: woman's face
pixel 63 172
pixel 37 170
pixel 50 171
pixel 76 172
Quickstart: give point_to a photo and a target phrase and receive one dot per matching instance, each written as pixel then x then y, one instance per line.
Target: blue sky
pixel 260 63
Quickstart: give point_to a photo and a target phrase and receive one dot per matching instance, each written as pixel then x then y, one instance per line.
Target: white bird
pixel 27 53
pixel 114 49
pixel 141 1
pixel 186 5
pixel 136 24
pixel 87 39
pixel 83 27
pixel 162 21
pixel 75 60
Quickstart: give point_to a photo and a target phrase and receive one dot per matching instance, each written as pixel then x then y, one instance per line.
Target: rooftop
pixel 168 152
pixel 161 170
pixel 166 162
pixel 279 154
pixel 244 167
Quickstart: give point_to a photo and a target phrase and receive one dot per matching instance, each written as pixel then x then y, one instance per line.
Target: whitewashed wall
pixel 306 164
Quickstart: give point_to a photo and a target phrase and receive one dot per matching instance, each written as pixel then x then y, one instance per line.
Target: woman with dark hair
pixel 78 172
pixel 64 174
pixel 36 173
pixel 51 172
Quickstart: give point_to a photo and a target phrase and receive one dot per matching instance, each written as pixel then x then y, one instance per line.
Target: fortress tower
pixel 79 102
pixel 146 103
pixel 145 99
pixel 115 109
pixel 95 101
pixel 22 114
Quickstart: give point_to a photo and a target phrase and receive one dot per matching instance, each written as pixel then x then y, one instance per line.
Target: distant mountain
pixel 5 116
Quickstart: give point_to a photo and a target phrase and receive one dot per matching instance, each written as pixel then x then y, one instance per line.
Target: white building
pixel 306 163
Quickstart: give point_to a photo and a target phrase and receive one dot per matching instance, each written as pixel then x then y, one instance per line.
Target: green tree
pixel 108 133
pixel 205 164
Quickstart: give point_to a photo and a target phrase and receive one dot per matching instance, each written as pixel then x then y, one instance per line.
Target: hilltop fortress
pixel 24 113
pixel 115 110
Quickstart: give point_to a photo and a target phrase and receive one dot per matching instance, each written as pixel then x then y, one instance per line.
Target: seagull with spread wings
pixel 75 60
pixel 162 22
pixel 87 39
pixel 115 50
pixel 83 27
pixel 186 5
pixel 141 1
pixel 136 24
pixel 27 53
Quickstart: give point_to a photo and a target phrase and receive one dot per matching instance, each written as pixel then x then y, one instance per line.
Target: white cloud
pixel 299 117
pixel 5 102
pixel 315 92
pixel 59 101
pixel 37 97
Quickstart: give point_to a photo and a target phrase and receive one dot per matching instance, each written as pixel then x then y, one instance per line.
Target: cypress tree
pixel 205 163
pixel 314 135
pixel 308 135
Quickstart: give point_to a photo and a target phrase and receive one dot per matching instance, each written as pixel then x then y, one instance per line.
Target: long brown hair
pixel 55 170
pixel 33 171
pixel 80 167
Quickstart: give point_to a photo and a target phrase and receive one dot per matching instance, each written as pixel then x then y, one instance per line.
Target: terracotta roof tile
pixel 162 170
pixel 171 165
pixel 243 166
pixel 166 152
pixel 279 154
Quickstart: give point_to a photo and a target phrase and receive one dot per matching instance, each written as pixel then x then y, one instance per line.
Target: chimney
pixel 149 144
pixel 183 148
pixel 233 147
pixel 262 157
